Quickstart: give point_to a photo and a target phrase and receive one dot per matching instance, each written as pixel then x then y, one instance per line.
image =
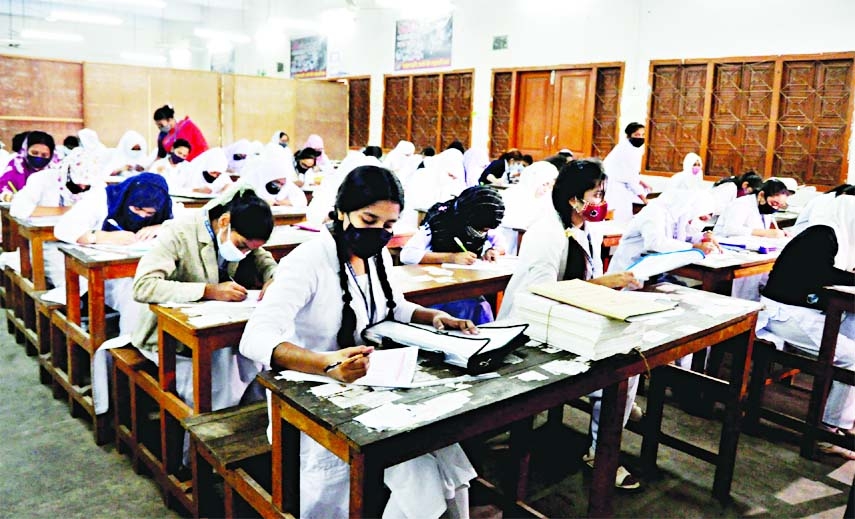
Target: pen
pixel 766 250
pixel 12 186
pixel 460 244
pixel 115 224
pixel 732 245
pixel 340 362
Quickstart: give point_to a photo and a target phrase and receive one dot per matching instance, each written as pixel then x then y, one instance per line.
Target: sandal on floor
pixel 624 480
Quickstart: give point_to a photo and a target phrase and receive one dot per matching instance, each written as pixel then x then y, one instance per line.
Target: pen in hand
pixel 115 224
pixel 460 244
pixel 345 361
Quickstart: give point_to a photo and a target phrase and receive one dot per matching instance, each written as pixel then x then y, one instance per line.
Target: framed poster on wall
pixel 423 43
pixel 309 57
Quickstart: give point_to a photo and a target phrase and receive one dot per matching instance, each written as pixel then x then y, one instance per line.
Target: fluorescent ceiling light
pixel 60 15
pixel 29 34
pixel 148 4
pixel 210 34
pixel 141 57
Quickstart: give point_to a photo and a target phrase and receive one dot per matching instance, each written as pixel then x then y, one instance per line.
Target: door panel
pixel 570 106
pixel 532 114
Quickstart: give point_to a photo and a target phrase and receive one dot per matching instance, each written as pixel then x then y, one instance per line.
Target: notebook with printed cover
pixel 476 353
pixel 599 299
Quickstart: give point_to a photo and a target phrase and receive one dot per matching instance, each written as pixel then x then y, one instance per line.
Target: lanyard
pixel 369 313
pixel 211 231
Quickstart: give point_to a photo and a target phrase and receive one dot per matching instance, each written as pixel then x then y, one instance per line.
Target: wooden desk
pixel 8 227
pixel 32 235
pixel 286 215
pixel 466 284
pixel 285 238
pixel 9 230
pixel 717 272
pixel 839 301
pixel 96 267
pixel 497 404
pixel 191 202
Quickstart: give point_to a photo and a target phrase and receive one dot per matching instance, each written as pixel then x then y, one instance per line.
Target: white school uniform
pixel 623 167
pixel 662 226
pixel 526 202
pixel 306 290
pixel 741 217
pixel 88 215
pixel 543 257
pixel 212 159
pixel 173 173
pixel 803 221
pixel 275 163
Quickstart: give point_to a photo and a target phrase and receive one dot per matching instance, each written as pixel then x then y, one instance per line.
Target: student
pixel 460 230
pixel 52 191
pixel 281 138
pixel 316 143
pixel 623 166
pixel 305 162
pixel 821 255
pixel 457 145
pixel 213 254
pixel 747 184
pixel 172 130
pixel 503 170
pixel 69 143
pixel 118 214
pixel 439 180
pixel 35 154
pixel 173 166
pixel 752 215
pixel 272 177
pixel 475 160
pixel 673 221
pixel 563 245
pixel 129 156
pixel 237 155
pixel 803 221
pixel 324 196
pixel 373 151
pixel 207 173
pixel 296 327
pixel 527 201
pixel 692 175
pixel 401 161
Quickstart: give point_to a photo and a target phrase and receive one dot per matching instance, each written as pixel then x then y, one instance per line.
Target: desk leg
pixel 608 450
pixel 733 408
pixel 171 431
pixel 366 487
pixel 516 484
pixel 822 378
pixel 202 380
pixel 653 425
pixel 286 462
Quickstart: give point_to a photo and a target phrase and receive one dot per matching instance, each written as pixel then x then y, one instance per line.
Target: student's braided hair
pixel 362 187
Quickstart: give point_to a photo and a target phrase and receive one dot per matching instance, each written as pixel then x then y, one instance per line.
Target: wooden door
pixel 572 113
pixel 533 114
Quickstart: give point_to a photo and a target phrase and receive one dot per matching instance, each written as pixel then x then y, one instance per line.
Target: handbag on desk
pixel 475 353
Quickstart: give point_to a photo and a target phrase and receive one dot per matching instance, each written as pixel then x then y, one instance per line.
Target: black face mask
pixel 766 209
pixel 74 189
pixel 366 241
pixel 37 162
pixel 209 178
pixel 273 187
pixel 637 141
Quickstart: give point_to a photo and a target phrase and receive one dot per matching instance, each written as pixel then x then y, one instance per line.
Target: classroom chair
pixel 766 355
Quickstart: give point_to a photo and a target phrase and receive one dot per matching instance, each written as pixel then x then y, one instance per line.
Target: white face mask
pixel 697 225
pixel 228 250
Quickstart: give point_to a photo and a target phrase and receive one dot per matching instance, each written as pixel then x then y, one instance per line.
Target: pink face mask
pixel 696 170
pixel 595 213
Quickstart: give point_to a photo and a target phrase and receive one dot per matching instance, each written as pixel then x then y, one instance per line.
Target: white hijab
pixel 241 147
pixel 475 160
pixel 528 199
pixel 123 155
pixel 839 214
pixel 323 199
pixel 396 159
pixel 683 205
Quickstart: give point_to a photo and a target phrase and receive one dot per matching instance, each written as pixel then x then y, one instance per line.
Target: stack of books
pixel 583 318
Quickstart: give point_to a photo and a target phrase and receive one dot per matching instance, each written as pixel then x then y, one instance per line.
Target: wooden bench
pixel 790 358
pixel 232 443
pixel 46 334
pixel 130 374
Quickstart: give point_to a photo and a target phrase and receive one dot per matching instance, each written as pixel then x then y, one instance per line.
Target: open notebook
pixel 477 353
pixel 659 263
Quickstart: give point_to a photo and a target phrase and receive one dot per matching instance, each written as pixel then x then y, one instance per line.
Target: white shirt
pixel 85 216
pixel 544 252
pixel 173 173
pixel 419 244
pixel 43 188
pixel 623 167
pixel 289 192
pixel 303 304
pixel 741 217
pixel 654 229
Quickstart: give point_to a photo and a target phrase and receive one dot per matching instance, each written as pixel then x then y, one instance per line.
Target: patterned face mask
pixel 474 233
